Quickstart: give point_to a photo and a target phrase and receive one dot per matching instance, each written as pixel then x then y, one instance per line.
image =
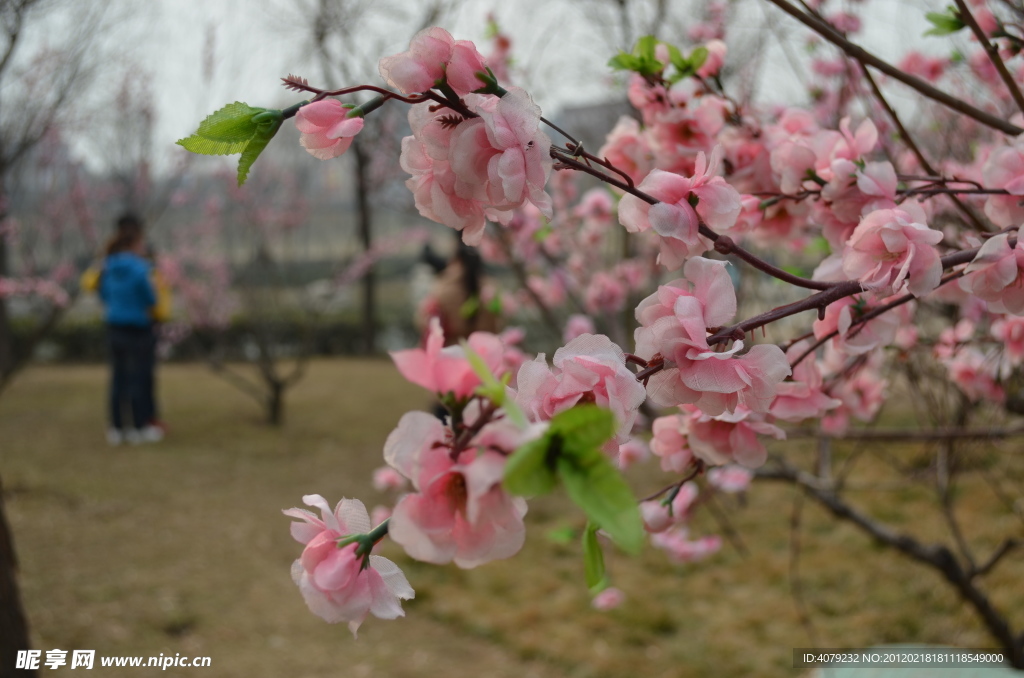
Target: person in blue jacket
pixel 127 291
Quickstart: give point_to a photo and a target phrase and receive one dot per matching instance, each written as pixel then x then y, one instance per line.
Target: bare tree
pixel 38 86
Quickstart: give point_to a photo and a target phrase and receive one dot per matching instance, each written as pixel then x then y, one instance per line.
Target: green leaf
pixel 583 426
pixel 599 489
pixel 697 58
pixel 624 62
pixel 675 57
pixel 236 128
pixel 644 48
pixel 204 146
pixel 495 306
pixel 529 471
pixel 265 131
pixel 593 560
pixel 232 124
pixel 944 23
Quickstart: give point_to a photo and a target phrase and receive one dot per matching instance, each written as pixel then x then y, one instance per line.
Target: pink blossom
pixel 996 274
pixel 333 581
pixel 327 131
pixel 605 294
pixel 500 158
pixel 1004 169
pixel 674 219
pixel 731 437
pixel 929 68
pixel 609 599
pixel 890 253
pixel 802 397
pixel 386 478
pixel 590 368
pixel 576 325
pixel 681 132
pixel 447 370
pixel 669 443
pixel 459 511
pixel 1009 331
pixel 863 337
pixel 674 322
pixel 975 375
pixel 716 58
pixel 628 149
pixel 678 545
pixel 658 517
pixel 861 395
pixel 425 157
pixel 730 479
pixel 432 56
pixel 631 452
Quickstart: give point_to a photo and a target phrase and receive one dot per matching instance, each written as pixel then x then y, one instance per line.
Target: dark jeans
pixel 132 362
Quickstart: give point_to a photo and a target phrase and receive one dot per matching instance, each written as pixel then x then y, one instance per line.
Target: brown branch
pixel 860 54
pixel 909 141
pixel 993 53
pixel 911 435
pixel 1004 548
pixel 936 556
pixel 723 243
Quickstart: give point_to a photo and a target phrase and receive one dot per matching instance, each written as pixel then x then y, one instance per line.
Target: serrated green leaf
pixel 264 133
pixel 204 146
pixel 944 23
pixel 598 488
pixel 529 471
pixel 593 560
pixel 583 427
pixel 697 58
pixel 231 124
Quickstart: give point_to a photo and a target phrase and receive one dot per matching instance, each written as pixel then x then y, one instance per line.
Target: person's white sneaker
pixel 151 434
pixel 133 436
pixel 114 436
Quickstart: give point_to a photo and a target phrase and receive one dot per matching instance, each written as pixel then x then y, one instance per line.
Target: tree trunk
pixel 365 216
pixel 13 625
pixel 6 332
pixel 275 403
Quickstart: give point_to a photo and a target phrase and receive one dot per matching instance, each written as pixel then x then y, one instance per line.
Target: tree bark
pixel 13 624
pixel 365 217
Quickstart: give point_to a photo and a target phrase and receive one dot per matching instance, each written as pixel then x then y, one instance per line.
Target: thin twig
pixel 993 53
pixel 860 54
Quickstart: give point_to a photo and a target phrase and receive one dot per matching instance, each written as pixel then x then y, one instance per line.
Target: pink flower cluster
pixel 433 57
pixel 685 202
pixel 590 368
pixel 674 324
pixel 458 511
pixel 333 579
pixel 445 370
pixel 468 170
pixel 997 274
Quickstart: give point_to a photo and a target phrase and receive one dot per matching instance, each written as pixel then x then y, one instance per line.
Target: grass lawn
pixel 180 547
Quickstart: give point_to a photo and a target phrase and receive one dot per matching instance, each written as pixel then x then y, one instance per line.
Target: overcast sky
pixel 255 42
